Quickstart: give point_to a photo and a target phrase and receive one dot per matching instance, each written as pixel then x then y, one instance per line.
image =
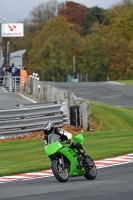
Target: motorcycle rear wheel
pixel 60 174
pixel 91 171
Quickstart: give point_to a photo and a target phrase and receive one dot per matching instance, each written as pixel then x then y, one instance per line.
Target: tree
pixel 51 49
pixel 93 58
pixel 106 50
pixel 127 3
pixel 44 11
pixel 73 12
pixel 119 45
pixel 93 15
pixel 124 23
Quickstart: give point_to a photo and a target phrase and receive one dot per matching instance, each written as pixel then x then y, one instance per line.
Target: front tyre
pixel 91 170
pixel 60 174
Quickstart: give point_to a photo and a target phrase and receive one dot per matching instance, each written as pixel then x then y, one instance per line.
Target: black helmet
pixel 48 128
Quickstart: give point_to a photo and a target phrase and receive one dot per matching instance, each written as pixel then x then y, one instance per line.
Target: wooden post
pixel 74 70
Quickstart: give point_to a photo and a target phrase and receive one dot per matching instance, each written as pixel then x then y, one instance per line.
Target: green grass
pixel 22 156
pixel 111 117
pixel 125 81
pixel 112 135
pixel 107 144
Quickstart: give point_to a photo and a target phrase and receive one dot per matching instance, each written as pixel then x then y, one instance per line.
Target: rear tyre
pixel 91 170
pixel 60 174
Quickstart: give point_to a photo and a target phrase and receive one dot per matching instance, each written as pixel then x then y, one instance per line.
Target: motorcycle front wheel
pixel 60 174
pixel 91 170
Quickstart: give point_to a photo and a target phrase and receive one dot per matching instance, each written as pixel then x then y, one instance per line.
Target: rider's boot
pixel 82 152
pixel 86 158
pixel 79 147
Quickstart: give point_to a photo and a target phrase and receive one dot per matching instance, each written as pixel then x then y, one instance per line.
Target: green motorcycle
pixel 67 161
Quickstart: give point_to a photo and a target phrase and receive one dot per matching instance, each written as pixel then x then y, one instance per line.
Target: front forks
pixel 61 161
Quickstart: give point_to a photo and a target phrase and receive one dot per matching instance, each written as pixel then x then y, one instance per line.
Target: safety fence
pixel 25 119
pixel 11 83
pixel 79 111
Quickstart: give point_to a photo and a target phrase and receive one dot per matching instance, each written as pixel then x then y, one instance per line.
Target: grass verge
pixel 128 82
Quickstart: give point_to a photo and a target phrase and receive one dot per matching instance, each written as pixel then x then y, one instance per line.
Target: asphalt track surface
pixel 103 92
pixel 112 183
pixel 11 100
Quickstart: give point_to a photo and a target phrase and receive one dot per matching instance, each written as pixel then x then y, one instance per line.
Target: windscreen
pixel 52 138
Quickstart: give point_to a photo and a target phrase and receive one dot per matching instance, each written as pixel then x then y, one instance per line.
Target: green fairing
pixel 69 153
pixel 79 138
pixel 57 148
pixel 53 148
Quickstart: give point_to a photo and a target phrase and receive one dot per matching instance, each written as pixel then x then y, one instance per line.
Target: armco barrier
pixel 76 112
pixel 25 120
pixel 79 112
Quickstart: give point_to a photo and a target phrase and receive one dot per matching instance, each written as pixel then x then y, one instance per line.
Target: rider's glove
pixel 45 141
pixel 68 141
pixel 61 131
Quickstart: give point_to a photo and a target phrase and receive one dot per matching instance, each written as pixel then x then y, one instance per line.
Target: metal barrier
pixel 78 112
pixel 11 83
pixel 25 120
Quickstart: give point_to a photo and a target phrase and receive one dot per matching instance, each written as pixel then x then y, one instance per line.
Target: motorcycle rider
pixel 64 135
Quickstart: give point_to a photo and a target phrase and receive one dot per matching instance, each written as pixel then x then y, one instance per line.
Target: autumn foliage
pixel 74 12
pixel 101 41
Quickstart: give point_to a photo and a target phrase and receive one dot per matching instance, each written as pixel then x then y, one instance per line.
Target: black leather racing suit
pixel 63 137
